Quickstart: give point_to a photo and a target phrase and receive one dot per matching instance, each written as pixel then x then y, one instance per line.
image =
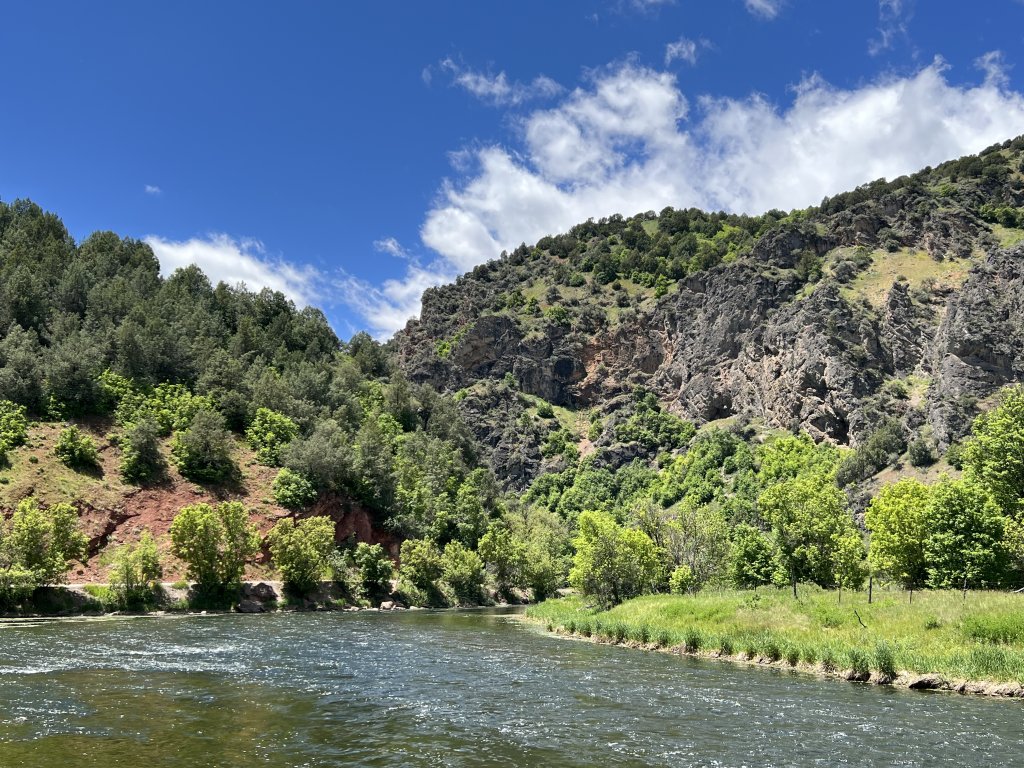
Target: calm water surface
pixel 444 689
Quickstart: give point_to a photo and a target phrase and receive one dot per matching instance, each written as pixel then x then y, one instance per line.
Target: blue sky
pixel 352 155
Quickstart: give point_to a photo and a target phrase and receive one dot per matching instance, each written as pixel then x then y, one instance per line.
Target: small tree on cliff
pixel 302 551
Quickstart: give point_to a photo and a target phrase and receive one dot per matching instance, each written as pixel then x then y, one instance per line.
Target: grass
pixel 1007 236
pixel 978 639
pixel 916 266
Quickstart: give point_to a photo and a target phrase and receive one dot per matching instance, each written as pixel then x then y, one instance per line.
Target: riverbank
pixel 939 642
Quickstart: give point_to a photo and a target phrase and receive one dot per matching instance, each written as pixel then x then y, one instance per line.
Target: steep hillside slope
pixel 900 300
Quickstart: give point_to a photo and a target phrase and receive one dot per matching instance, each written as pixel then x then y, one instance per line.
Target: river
pixel 473 688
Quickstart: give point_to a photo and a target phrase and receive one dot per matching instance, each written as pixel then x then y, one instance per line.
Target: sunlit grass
pixel 980 638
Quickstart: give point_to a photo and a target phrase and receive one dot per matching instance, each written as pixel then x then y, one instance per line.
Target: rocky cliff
pixel 900 300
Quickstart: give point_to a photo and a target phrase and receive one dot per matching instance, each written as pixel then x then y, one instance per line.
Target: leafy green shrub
pixel 463 570
pixel 141 459
pixel 725 646
pixel 215 543
pixel 618 632
pixel 828 661
pixel 681 581
pixel 37 548
pixel 375 568
pixel 585 629
pixel 642 634
pixel 809 654
pixel 932 622
pixel 302 551
pixel 75 449
pixel 203 451
pixel 292 490
pixel 570 626
pixel 792 655
pixel 268 433
pixel 13 426
pixel 545 411
pixel 921 453
pixel 136 568
pixel 420 563
pixel 771 648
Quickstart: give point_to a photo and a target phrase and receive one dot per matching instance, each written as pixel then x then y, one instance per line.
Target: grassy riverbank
pixel 978 639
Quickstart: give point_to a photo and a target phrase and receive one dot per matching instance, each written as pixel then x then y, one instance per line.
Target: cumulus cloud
pixel 152 189
pixel 630 141
pixel 682 49
pixel 225 259
pixel 498 90
pixel 766 9
pixel 994 67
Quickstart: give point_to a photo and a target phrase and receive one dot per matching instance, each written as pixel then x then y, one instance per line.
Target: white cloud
pixel 994 67
pixel 682 49
pixel 152 189
pixel 387 308
pixel 766 9
pixel 630 142
pixel 498 89
pixel 893 18
pixel 392 247
pixel 232 261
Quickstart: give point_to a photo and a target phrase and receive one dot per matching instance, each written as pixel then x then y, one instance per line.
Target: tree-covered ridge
pixel 92 331
pixel 634 259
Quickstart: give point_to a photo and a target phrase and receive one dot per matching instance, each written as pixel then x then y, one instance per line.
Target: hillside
pixel 679 376
pixel 896 302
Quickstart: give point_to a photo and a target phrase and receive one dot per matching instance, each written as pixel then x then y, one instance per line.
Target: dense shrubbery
pixel 141 459
pixel 36 548
pixel 203 451
pixel 292 490
pixel 268 433
pixel 75 449
pixel 215 543
pixel 302 551
pixel 135 573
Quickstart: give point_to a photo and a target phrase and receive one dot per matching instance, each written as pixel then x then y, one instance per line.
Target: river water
pixel 474 688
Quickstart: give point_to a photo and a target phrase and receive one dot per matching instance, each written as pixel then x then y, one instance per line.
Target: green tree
pixel 613 563
pixel 292 490
pixel 215 543
pixel 896 518
pixel 375 568
pixel 753 559
pixel 697 537
pixel 463 570
pixel 75 449
pixel 136 568
pixel 420 563
pixel 141 459
pixel 848 566
pixel 965 528
pixel 13 427
pixel 203 451
pixel 994 454
pixel 268 433
pixel 37 547
pixel 808 516
pixel 505 556
pixel 302 551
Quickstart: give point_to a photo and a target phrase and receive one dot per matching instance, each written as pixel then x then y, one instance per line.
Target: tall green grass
pixel 977 638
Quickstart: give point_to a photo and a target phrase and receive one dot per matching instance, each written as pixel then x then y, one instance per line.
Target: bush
pixel 692 640
pixel 141 459
pixel 545 411
pixel 996 629
pixel 13 426
pixel 828 661
pixel 135 570
pixel 681 581
pixel 302 551
pixel 421 563
pixel 37 548
pixel 268 433
pixel 215 543
pixel 292 490
pixel 75 450
pixel 463 570
pixel 921 453
pixel 375 568
pixel 203 451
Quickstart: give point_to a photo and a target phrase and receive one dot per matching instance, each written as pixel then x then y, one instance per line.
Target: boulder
pixel 246 605
pixel 387 605
pixel 259 591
